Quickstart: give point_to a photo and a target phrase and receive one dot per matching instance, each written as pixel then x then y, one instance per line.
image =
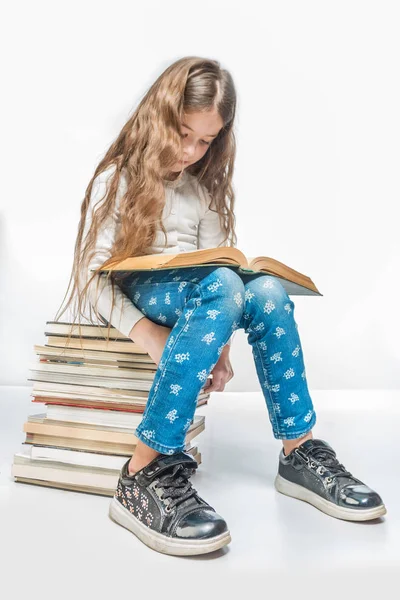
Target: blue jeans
pixel 203 306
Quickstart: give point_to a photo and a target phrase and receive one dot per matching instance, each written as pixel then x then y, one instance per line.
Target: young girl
pixel 165 186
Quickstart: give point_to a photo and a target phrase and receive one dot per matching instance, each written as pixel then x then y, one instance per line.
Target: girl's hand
pixel 222 373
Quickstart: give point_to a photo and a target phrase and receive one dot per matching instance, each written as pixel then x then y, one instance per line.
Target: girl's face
pixel 198 130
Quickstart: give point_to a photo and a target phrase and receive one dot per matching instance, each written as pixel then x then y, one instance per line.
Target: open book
pixel 295 283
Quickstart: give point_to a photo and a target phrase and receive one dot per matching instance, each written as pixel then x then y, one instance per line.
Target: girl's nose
pixel 189 150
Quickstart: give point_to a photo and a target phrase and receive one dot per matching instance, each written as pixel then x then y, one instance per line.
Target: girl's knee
pixel 267 287
pixel 227 280
pixel 228 288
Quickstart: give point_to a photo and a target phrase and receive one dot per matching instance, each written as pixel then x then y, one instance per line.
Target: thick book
pixel 106 418
pixel 87 330
pixel 81 457
pixel 93 371
pixel 125 346
pixel 75 436
pixel 134 407
pixel 39 423
pixel 115 384
pixel 294 282
pixel 74 355
pixel 53 388
pixel 73 477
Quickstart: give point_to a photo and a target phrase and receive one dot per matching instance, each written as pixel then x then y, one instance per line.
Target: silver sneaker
pixel 312 473
pixel 159 505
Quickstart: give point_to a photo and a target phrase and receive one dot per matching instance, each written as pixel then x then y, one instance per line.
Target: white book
pixel 77 457
pixel 113 418
pixel 66 476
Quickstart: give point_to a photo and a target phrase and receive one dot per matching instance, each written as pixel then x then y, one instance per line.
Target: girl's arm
pixel 125 314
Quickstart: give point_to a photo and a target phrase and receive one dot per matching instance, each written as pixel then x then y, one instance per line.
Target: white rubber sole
pixel 340 512
pixel 162 543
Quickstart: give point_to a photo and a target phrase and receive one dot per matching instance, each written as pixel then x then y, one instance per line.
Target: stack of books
pixel 95 392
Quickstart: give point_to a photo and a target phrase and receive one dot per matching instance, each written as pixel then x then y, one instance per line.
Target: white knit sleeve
pixel 125 314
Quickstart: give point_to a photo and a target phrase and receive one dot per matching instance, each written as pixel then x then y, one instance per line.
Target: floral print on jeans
pixel 203 306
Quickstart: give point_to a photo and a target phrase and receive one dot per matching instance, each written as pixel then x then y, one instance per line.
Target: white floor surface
pixel 61 544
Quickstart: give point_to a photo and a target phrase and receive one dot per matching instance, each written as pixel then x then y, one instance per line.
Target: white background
pixel 316 180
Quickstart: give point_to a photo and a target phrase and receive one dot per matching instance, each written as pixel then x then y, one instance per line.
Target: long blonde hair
pixel 148 145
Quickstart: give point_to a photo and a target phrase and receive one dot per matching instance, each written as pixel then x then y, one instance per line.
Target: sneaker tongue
pixel 308 444
pixel 165 464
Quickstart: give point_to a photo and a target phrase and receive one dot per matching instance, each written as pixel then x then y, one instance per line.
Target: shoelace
pixel 327 457
pixel 177 485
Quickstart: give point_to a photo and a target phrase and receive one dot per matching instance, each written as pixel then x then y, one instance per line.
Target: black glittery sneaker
pixel 160 506
pixel 312 473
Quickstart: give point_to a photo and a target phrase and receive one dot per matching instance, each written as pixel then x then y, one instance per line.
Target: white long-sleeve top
pixel 189 225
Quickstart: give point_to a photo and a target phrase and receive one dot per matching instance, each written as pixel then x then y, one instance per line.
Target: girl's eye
pixel 183 135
